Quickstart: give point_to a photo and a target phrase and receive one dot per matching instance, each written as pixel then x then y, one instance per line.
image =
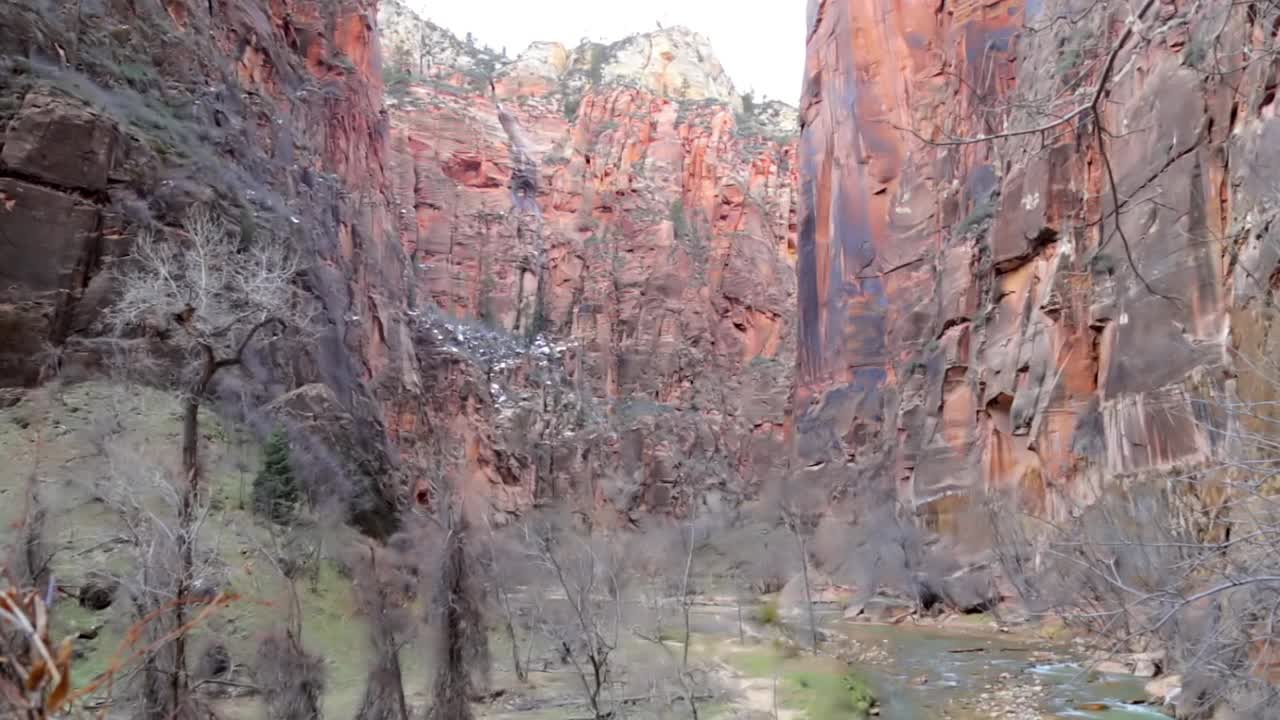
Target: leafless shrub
pixel 1186 566
pixel 385 585
pixel 292 680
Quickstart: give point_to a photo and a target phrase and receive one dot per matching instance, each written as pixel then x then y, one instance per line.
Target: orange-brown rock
pixel 656 275
pixel 615 322
pixel 117 117
pixel 969 315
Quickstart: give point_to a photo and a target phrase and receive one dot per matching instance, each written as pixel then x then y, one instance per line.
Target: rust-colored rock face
pixel 968 315
pixel 593 296
pixel 655 264
pixel 117 117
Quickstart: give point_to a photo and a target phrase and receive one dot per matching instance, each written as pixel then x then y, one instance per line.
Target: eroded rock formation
pixel 626 336
pixel 657 264
pixel 969 315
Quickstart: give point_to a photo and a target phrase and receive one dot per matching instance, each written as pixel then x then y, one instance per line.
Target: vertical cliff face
pixel 975 312
pixel 655 261
pixel 119 116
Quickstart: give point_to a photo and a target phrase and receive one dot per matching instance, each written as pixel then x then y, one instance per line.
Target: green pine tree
pixel 275 489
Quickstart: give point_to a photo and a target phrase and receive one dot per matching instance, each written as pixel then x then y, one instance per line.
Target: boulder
pixel 61 142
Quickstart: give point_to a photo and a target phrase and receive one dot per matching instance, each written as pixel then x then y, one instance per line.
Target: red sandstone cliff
pixel 631 341
pixel 658 270
pixel 118 116
pixel 969 318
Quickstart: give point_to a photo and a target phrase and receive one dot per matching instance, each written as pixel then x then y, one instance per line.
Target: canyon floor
pixel 750 661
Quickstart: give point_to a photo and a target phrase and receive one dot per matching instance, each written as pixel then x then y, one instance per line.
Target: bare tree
pixel 669 565
pixel 505 569
pixel 462 644
pixel 385 586
pixel 138 486
pixel 585 626
pixel 1184 570
pixel 797 508
pixel 211 299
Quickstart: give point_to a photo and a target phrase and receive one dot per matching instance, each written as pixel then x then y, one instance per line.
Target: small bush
pixel 275 489
pixel 570 107
pixel 768 614
pixel 982 213
pixel 1102 264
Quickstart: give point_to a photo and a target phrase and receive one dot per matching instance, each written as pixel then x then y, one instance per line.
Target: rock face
pixel 118 117
pixel 655 264
pixel 616 322
pixel 970 318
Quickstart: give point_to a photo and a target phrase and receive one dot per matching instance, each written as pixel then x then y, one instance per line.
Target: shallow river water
pixel 925 670
pixel 923 673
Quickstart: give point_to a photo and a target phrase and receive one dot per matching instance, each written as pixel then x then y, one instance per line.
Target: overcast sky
pixel 759 42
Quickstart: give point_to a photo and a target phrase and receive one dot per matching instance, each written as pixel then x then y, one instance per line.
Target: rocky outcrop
pixel 658 258
pixel 974 311
pixel 118 117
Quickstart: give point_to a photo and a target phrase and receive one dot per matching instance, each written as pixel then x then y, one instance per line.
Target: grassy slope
pixel 56 434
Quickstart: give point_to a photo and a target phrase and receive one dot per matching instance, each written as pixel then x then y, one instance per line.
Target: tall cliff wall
pixel 118 116
pixel 970 318
pixel 631 340
pixel 657 269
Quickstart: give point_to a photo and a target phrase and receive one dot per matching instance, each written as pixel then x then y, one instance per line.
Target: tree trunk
pixel 186 524
pixel 808 594
pixel 522 674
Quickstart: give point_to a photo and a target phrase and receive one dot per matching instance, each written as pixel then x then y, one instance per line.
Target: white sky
pixel 759 42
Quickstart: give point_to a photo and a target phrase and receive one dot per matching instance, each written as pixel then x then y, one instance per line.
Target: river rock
pixel 1163 690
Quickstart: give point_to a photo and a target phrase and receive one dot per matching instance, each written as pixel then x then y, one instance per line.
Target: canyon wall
pixel 1035 247
pixel 119 116
pixel 655 263
pixel 615 322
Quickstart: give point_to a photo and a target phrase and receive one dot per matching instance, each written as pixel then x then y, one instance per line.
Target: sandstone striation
pixel 970 318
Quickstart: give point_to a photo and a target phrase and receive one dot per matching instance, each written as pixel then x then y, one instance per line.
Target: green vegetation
pixel 570 106
pixel 981 214
pixel 275 489
pixel 595 71
pixel 1196 52
pixel 768 613
pixel 1071 54
pixel 396 79
pixel 823 688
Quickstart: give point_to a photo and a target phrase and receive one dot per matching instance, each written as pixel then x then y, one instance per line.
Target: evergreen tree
pixel 275 489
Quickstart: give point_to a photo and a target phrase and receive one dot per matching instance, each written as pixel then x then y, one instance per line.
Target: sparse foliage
pixel 35 673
